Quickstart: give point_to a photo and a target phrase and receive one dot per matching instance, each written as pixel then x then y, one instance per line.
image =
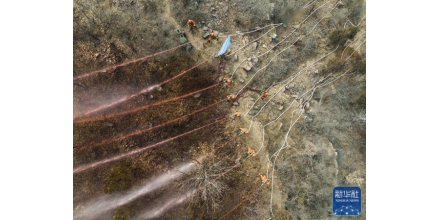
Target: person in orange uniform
pixel 265 180
pixel 212 36
pixel 191 24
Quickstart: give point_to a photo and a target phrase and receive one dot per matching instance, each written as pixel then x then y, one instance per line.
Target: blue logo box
pixel 347 200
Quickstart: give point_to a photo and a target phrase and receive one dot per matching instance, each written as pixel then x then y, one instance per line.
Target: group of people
pixel 206 34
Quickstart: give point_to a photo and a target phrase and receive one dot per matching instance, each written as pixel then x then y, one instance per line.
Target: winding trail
pixel 198 44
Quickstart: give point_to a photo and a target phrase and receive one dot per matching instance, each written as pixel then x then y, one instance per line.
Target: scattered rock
pixel 235 57
pixel 235 103
pixel 280 108
pixel 251 99
pixel 159 88
pixel 197 95
pixel 254 45
pixel 254 60
pixel 245 41
pixel 256 107
pixel 333 89
pixel 340 4
pixel 225 9
pixel 273 36
pixel 248 66
pixel 151 96
pixel 205 28
pixel 307 106
pixel 294 96
pixel 241 80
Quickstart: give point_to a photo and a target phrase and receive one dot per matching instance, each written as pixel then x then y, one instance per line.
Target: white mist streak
pixel 159 210
pixel 106 203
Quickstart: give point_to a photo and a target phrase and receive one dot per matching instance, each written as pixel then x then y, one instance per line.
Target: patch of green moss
pixel 335 65
pixel 123 213
pixel 339 37
pixel 359 63
pixel 121 177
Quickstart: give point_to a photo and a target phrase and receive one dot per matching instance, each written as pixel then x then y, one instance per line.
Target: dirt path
pixel 197 44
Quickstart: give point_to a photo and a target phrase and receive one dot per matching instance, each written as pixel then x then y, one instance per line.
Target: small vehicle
pixel 205 34
pixel 183 39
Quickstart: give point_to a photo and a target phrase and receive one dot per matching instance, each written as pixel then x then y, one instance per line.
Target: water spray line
pixel 121 156
pixel 126 63
pixel 106 203
pixel 147 129
pixel 146 90
pixel 161 52
pixel 170 204
pixel 130 111
pixel 176 202
pixel 155 86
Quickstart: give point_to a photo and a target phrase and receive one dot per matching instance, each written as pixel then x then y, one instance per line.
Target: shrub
pixel 339 37
pixel 121 177
pixel 122 213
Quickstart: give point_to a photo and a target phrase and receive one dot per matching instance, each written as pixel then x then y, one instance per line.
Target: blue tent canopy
pixel 225 46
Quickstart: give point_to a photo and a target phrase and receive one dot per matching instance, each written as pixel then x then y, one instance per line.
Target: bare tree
pixel 209 184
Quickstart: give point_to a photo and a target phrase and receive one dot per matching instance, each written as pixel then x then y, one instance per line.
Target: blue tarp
pixel 225 46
